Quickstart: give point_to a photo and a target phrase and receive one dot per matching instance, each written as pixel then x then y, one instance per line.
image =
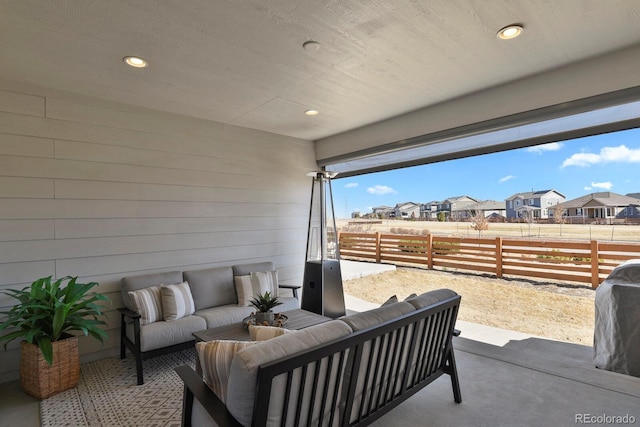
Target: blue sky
pixel 609 162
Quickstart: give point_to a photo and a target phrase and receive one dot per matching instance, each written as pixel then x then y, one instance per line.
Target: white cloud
pixel 351 185
pixel 604 185
pixel 539 149
pixel 505 178
pixel 588 188
pixel 620 154
pixel 381 189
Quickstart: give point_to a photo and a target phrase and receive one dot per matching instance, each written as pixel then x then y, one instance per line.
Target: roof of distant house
pixel 605 198
pixel 456 198
pixel 534 194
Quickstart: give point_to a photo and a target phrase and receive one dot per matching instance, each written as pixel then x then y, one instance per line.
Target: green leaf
pixel 47 309
pixel 46 348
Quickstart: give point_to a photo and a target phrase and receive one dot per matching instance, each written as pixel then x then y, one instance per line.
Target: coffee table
pixel 298 319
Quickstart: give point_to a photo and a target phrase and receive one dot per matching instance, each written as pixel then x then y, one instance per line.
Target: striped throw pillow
pixel 148 304
pixel 215 360
pixel 265 281
pixel 177 301
pixel 245 290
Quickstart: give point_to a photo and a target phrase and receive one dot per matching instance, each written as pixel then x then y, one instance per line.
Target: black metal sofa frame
pixel 422 351
pixel 129 316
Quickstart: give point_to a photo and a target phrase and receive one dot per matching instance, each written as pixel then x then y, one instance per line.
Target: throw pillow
pixel 266 281
pixel 177 301
pixel 148 304
pixel 392 300
pixel 410 296
pixel 245 290
pixel 263 333
pixel 215 360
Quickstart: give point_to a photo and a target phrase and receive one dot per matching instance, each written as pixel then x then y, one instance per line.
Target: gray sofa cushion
pixel 244 269
pixel 288 304
pixel 134 283
pixel 244 368
pixel 162 334
pixel 231 313
pixel 224 315
pixel 376 316
pixel 212 287
pixel 431 297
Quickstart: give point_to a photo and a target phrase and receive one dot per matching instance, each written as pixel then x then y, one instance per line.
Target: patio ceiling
pixel 242 62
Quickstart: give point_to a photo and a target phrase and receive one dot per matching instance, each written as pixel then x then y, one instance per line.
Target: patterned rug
pixel 107 394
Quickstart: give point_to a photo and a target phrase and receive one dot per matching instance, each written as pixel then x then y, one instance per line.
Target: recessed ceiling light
pixel 135 61
pixel 312 112
pixel 311 45
pixel 510 32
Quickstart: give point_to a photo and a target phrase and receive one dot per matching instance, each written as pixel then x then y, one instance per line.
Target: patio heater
pixel 322 288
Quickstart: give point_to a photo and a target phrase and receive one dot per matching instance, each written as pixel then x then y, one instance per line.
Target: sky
pixel 608 162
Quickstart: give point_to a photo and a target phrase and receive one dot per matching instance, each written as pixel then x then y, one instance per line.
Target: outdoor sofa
pixel 348 371
pixel 150 328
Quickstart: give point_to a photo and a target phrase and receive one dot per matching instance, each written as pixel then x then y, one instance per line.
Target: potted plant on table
pixel 264 303
pixel 46 313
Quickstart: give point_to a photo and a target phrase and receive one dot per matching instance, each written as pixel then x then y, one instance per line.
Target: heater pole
pixel 322 290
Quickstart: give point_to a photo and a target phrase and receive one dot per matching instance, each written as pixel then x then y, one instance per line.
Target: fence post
pixel 499 257
pixel 378 251
pixel 430 251
pixel 595 265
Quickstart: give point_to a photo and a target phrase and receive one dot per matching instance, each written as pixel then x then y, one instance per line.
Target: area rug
pixel 107 394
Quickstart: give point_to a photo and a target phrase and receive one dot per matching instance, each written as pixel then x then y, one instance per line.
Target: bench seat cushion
pixel 432 297
pixel 366 319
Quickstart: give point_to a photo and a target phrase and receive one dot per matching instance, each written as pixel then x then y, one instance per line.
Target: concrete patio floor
pixel 507 379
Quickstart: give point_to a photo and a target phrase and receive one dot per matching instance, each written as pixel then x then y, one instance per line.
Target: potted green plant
pixel 45 315
pixel 264 303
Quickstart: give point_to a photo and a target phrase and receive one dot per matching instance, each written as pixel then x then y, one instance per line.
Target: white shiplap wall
pixel 102 191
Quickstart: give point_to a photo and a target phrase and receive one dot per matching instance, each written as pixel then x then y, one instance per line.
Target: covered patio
pixel 507 379
pixel 200 158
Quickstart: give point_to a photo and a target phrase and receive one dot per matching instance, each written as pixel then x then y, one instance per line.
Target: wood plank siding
pixel 102 191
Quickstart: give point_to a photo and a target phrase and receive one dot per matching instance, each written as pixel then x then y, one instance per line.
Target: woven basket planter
pixel 41 380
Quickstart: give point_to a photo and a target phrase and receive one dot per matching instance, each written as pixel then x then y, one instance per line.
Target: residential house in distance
pixel 536 203
pixel 406 210
pixel 454 205
pixel 381 211
pixel 429 210
pixel 490 209
pixel 603 207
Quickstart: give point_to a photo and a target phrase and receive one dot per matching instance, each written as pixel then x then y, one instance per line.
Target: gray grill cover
pixel 616 340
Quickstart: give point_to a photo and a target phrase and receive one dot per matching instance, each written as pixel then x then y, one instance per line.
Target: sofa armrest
pixel 194 387
pixel 129 313
pixel 294 288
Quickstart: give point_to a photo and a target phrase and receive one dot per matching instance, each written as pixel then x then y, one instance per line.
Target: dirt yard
pixel 603 233
pixel 553 310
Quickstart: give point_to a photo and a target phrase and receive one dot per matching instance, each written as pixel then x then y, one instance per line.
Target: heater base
pixel 322 291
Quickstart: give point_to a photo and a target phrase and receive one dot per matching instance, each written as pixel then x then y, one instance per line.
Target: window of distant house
pixel 608 211
pixel 531 202
pixel 579 211
pixel 517 202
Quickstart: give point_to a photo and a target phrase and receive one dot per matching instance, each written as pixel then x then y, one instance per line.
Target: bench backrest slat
pixel 377 368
